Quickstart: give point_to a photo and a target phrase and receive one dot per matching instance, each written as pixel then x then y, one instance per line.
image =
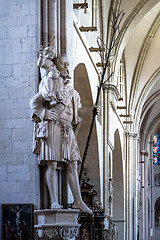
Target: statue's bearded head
pixel 62 64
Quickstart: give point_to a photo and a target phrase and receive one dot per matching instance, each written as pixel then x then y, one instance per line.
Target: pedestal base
pixel 57 224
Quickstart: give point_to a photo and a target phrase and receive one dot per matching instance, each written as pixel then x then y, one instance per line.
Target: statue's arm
pixel 42 62
pixel 85 111
pixel 36 104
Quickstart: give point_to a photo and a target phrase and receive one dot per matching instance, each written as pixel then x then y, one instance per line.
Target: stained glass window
pixel 156 150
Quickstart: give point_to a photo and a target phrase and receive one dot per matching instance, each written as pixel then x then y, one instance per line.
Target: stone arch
pixel 151 129
pixel 118 185
pixel 148 106
pixel 82 85
pixel 142 98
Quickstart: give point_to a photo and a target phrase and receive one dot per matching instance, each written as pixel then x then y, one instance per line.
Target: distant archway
pixel 118 186
pixel 157 212
pixel 82 85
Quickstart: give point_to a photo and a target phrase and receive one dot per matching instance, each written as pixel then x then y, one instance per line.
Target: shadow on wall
pixel 118 186
pixel 82 85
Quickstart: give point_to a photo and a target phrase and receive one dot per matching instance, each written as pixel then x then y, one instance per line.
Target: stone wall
pixel 18 80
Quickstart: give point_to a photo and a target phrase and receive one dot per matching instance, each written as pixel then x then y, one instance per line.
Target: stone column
pixel 45 22
pixel 110 97
pixel 152 185
pixel 66 29
pixel 58 27
pixel 105 148
pixel 144 187
pixel 131 186
pixel 52 17
pixel 49 19
pixel 63 25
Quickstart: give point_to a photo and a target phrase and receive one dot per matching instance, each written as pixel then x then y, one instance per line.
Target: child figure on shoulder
pixel 51 85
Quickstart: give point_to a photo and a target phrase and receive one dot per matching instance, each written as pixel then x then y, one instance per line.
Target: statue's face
pixel 49 52
pixel 64 73
pixel 62 63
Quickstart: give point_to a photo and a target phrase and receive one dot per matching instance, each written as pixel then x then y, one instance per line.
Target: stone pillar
pixel 50 22
pixel 58 27
pixel 144 187
pixel 45 22
pixel 131 186
pixel 152 185
pixel 52 16
pixel 110 97
pixel 105 149
pixel 66 29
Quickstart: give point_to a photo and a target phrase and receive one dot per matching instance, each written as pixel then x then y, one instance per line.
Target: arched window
pixel 156 149
pixel 120 79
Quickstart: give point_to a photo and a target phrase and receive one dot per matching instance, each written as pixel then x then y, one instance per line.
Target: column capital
pixel 132 135
pixel 144 153
pixel 111 88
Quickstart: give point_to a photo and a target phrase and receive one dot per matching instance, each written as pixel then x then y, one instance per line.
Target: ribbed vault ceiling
pixel 141 49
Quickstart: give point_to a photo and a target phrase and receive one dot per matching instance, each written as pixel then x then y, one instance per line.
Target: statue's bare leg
pixel 51 179
pixel 72 177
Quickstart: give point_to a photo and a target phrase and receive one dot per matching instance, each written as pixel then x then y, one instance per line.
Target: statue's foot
pixel 82 206
pixel 55 205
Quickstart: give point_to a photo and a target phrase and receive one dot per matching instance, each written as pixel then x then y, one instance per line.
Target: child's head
pixel 50 52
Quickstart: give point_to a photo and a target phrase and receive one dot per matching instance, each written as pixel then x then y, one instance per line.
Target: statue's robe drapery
pixel 60 143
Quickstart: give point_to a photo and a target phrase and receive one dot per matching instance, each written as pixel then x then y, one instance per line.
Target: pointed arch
pixel 118 185
pixel 157 212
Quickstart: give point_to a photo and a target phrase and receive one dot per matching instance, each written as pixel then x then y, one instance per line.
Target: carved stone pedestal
pixel 59 224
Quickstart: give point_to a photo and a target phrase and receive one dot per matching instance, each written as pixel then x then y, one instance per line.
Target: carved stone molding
pixel 112 89
pixel 144 153
pixel 57 224
pixel 110 145
pixel 132 135
pixel 58 233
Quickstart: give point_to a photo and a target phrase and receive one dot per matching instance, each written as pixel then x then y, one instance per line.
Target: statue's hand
pixel 50 115
pixel 41 53
pixel 96 109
